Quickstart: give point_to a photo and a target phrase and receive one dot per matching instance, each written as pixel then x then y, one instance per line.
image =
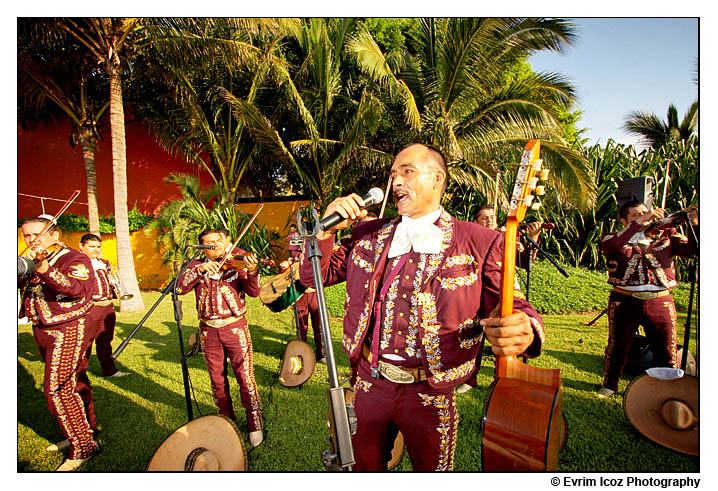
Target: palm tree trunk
pixel 125 261
pixel 87 141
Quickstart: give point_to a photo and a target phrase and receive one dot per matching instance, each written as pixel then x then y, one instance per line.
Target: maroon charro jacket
pixel 105 290
pixel 62 293
pixel 219 299
pixel 452 291
pixel 629 265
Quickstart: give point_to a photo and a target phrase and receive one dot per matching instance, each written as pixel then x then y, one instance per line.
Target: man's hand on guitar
pixel 510 335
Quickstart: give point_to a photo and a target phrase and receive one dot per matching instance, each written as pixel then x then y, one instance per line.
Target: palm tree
pixel 109 40
pixel 180 222
pixel 458 73
pixel 656 133
pixel 326 132
pixel 56 81
pixel 191 111
pixel 106 39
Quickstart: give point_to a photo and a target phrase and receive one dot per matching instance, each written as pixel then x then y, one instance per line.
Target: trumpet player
pixel 102 314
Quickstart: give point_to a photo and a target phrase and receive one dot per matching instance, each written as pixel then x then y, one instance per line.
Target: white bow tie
pixel 424 237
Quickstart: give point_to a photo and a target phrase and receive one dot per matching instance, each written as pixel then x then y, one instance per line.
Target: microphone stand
pixel 692 274
pixel 178 318
pixel 341 454
pixel 533 245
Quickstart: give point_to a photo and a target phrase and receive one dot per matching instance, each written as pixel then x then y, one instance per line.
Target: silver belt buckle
pixel 395 374
pixel 645 295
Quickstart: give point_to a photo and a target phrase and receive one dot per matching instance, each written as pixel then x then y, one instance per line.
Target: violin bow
pixel 251 221
pixel 62 210
pixel 665 185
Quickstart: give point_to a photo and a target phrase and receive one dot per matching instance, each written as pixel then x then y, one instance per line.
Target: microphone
pixel 25 267
pixel 374 196
pixel 201 246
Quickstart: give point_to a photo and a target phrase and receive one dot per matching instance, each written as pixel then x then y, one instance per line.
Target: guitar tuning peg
pixel 544 174
pixel 533 182
pixel 540 190
pixel 538 163
pixel 528 199
pixel 536 206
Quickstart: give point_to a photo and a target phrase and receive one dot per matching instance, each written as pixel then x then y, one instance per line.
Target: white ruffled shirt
pixel 420 234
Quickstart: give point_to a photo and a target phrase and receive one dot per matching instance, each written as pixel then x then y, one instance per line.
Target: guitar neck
pixel 505 364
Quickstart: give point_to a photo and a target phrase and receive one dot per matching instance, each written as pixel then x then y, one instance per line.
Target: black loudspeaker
pixel 640 188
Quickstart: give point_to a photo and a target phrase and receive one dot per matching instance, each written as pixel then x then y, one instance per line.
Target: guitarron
pixel 522 423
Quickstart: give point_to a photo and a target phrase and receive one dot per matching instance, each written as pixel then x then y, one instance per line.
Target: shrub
pixel 69 222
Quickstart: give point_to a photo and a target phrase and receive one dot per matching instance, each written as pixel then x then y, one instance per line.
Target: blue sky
pixel 619 65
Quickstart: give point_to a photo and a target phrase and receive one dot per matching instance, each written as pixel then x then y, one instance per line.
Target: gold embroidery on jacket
pixel 79 272
pixel 447 427
pixel 60 278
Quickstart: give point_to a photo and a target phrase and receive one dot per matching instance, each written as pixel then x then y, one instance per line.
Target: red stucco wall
pixel 47 166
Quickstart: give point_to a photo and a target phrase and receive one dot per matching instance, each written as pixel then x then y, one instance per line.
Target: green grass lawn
pixel 136 413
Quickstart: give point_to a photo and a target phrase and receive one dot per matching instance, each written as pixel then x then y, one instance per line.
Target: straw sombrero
pixel 665 411
pixel 297 365
pixel 208 443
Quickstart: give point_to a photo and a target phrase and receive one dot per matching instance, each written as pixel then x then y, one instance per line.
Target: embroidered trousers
pixel 66 386
pixel 625 314
pixel 234 342
pixel 103 317
pixel 307 306
pixel 426 417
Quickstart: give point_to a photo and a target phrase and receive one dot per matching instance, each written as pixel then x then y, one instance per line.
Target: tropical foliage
pixel 656 133
pixel 56 81
pixel 180 222
pixel 478 106
pixel 576 239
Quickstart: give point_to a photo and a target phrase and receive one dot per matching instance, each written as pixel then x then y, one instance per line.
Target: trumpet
pixel 117 284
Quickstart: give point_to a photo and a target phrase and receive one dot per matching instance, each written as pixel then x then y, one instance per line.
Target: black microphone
pixel 201 246
pixel 375 195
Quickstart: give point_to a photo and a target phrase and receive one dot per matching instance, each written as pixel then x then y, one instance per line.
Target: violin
pixel 42 254
pixel 673 220
pixel 237 262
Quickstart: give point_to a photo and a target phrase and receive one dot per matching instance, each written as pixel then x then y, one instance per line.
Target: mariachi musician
pixel 224 333
pixel 420 287
pixel 102 313
pixel 307 305
pixel 57 297
pixel 639 259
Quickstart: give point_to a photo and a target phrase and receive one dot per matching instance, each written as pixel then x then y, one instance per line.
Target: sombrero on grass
pixel 665 411
pixel 208 443
pixel 297 365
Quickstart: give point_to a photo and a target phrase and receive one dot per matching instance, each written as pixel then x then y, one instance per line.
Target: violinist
pixel 220 285
pixel 57 298
pixel 640 269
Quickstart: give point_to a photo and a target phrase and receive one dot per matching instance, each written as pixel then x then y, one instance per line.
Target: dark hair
pixel 632 203
pixel 482 208
pixel 208 231
pixel 89 237
pixel 438 158
pixel 44 221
